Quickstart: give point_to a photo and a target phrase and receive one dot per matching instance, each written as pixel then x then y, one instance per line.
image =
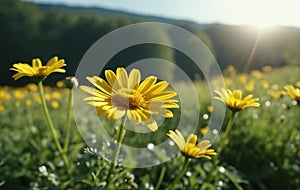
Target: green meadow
pixel 261 151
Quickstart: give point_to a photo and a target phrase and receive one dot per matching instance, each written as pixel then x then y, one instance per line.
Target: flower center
pixel 128 99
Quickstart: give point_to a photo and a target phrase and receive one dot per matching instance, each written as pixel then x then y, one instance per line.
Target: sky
pixel 260 13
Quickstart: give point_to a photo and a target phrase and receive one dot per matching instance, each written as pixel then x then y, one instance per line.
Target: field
pixel 261 151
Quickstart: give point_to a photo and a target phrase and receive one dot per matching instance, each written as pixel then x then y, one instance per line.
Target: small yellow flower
pixel 2 108
pixel 267 69
pixel 275 87
pixel 28 103
pixel 265 85
pixel 4 95
pixel 250 86
pixel 54 104
pixel 56 95
pixel 47 97
pixel 60 84
pixel 243 78
pixel 257 74
pixel 234 101
pixel 32 87
pixel 126 94
pixel 228 82
pixel 210 109
pixel 230 71
pixel 293 93
pixel 37 98
pixel 276 94
pixel 17 104
pixel 19 94
pixel 298 84
pixel 190 148
pixel 204 130
pixel 37 70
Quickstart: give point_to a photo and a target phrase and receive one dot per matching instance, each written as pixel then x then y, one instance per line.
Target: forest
pixel 40 30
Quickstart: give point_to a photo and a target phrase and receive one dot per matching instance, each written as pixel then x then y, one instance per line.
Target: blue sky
pixel 261 13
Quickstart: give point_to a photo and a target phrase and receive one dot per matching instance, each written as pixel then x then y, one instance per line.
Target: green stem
pixel 226 133
pixel 120 138
pixel 50 124
pixel 68 124
pixel 161 177
pixel 180 174
pixel 222 145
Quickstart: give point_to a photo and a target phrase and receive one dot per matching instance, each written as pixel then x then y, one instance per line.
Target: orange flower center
pixel 128 99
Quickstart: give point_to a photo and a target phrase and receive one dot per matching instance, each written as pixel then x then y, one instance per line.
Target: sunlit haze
pixel 264 13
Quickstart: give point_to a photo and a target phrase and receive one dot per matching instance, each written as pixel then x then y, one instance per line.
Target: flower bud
pixel 71 82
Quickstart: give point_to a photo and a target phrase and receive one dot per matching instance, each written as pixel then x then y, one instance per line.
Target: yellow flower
pixel 60 84
pixel 250 86
pixel 17 104
pixel 4 96
pixel 265 85
pixel 276 94
pixel 267 69
pixel 126 94
pixel 204 130
pixel 2 108
pixel 228 82
pixel 190 148
pixel 298 84
pixel 294 93
pixel 56 95
pixel 19 94
pixel 47 97
pixel 28 103
pixel 243 78
pixel 275 87
pixel 54 104
pixel 37 70
pixel 210 108
pixel 234 99
pixel 32 87
pixel 257 74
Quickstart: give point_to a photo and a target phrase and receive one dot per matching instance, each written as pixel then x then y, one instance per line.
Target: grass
pixel 261 153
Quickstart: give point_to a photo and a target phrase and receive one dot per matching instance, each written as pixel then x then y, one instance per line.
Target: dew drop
pixel 150 146
pixel 215 131
pixel 171 143
pixel 205 116
pixel 188 173
pixel 268 103
pixel 222 169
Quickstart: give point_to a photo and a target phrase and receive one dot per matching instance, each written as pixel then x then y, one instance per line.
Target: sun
pixel 266 14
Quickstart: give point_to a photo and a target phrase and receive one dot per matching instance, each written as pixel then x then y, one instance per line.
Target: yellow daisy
pixel 294 93
pixel 126 94
pixel 235 102
pixel 37 70
pixel 190 148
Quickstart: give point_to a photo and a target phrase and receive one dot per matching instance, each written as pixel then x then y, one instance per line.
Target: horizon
pixel 226 14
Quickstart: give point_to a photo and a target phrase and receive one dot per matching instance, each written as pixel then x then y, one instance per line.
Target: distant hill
pixel 43 30
pixel 103 12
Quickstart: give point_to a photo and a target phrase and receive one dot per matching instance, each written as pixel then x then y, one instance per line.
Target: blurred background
pixel 247 35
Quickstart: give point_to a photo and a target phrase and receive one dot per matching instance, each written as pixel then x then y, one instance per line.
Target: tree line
pixel 35 30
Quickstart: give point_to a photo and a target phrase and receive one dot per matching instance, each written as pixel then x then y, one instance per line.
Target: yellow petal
pixel 146 84
pixel 36 63
pixel 122 77
pixel 134 79
pixel 151 124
